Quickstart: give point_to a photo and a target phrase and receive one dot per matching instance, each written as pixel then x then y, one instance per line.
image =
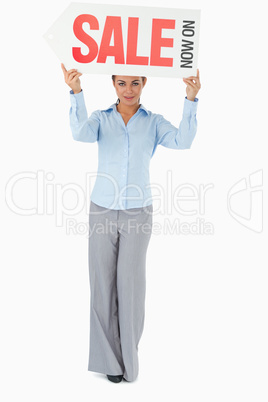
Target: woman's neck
pixel 127 110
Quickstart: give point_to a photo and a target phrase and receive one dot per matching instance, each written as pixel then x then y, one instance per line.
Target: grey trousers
pixel 117 246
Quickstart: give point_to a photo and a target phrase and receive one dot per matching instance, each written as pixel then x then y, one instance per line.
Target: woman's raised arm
pixel 84 128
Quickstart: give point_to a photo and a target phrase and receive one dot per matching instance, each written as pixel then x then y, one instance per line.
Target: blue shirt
pixel 125 151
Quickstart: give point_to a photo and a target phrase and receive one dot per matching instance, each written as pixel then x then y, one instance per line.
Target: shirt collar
pixel 113 107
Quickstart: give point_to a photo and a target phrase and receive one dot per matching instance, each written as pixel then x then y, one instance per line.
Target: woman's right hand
pixel 71 78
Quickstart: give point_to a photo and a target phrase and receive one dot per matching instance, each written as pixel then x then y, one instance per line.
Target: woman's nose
pixel 129 88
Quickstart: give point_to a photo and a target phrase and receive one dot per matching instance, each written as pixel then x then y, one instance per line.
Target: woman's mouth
pixel 128 97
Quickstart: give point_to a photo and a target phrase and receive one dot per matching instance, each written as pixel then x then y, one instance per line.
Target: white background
pixel 205 335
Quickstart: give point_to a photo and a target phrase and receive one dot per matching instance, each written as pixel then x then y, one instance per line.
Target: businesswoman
pixel 120 216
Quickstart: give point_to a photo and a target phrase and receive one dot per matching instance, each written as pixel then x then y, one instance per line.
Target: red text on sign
pixel 113 27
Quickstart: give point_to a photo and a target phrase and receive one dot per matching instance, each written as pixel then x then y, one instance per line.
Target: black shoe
pixel 115 378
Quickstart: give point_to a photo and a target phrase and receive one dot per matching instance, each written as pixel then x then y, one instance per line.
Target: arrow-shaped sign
pixel 127 40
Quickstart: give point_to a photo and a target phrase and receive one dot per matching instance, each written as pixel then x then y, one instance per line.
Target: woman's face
pixel 129 89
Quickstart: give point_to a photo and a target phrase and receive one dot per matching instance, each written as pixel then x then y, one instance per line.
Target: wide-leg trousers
pixel 117 247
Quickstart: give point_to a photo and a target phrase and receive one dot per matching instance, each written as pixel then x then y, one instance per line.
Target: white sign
pixel 127 40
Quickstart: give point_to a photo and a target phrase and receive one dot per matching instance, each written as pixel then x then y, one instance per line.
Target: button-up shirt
pixel 125 150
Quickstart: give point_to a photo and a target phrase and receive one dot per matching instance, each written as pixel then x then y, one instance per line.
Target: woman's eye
pixel 121 84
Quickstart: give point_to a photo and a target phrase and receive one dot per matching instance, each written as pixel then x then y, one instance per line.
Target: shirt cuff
pixel 78 108
pixel 195 99
pixel 72 92
pixel 190 107
pixel 77 99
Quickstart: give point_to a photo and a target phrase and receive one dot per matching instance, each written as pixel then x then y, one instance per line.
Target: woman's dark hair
pixel 113 78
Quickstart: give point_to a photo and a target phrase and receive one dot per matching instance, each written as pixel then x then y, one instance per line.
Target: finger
pixel 71 76
pixel 189 80
pixel 196 82
pixel 192 78
pixel 197 73
pixel 63 68
pixel 72 71
pixel 190 83
pixel 74 76
pixel 196 77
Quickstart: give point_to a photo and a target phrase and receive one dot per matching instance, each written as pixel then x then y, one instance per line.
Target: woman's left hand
pixel 193 86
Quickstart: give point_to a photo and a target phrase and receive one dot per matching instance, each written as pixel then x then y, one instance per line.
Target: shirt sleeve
pixel 178 138
pixel 84 128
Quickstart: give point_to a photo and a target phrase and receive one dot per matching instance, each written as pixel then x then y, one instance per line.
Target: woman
pixel 120 218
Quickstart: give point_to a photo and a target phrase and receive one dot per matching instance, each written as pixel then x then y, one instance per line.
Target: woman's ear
pixel 144 82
